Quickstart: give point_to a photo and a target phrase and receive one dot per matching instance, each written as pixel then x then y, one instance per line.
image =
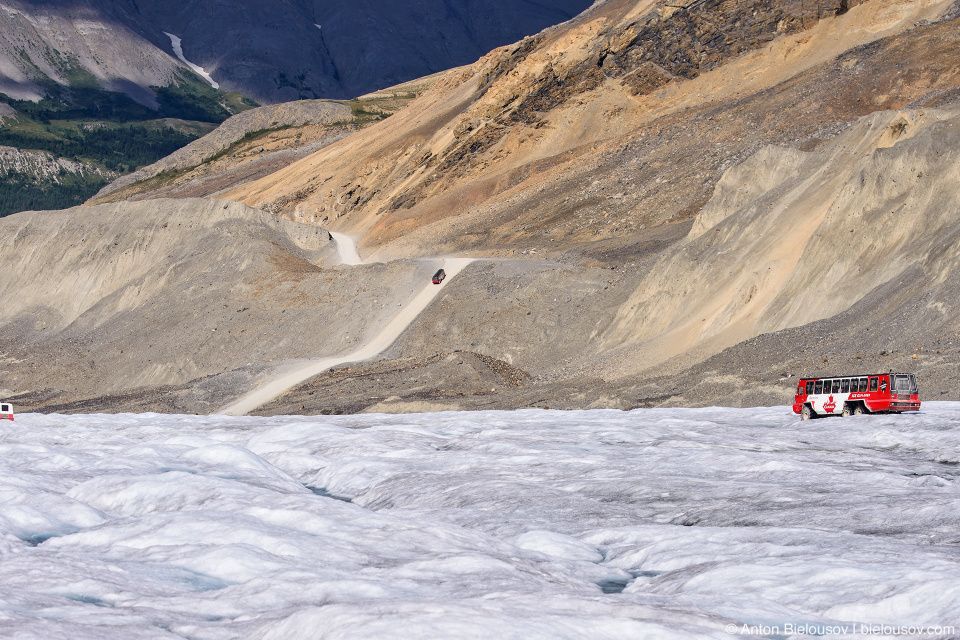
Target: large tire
pixel 847 411
pixel 806 413
pixel 859 410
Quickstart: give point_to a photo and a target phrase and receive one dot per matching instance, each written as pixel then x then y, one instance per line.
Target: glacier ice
pixel 478 524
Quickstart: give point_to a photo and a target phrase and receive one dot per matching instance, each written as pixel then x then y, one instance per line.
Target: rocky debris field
pixel 788 212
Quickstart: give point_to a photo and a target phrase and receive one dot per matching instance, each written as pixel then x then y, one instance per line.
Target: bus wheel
pixel 859 410
pixel 846 411
pixel 806 413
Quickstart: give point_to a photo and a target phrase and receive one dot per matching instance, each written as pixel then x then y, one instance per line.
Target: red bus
pixel 856 395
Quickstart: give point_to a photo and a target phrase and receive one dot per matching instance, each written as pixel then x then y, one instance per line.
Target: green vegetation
pixel 237 102
pixel 368 111
pixel 192 99
pixel 107 129
pixel 169 176
pixel 117 147
pixel 69 65
pixel 22 192
pixel 188 127
pixel 247 138
pixel 121 148
pixel 80 103
pixel 176 101
pixel 158 181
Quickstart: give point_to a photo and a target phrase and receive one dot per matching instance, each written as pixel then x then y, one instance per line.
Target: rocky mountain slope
pixel 243 125
pixel 180 290
pixel 669 205
pixel 86 88
pixel 842 259
pixel 258 142
pixel 791 237
pixel 77 44
pixel 572 143
pixel 33 179
pixel 273 51
pixel 44 165
pixel 95 63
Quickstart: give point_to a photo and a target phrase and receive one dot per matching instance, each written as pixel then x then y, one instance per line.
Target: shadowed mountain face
pixel 426 36
pixel 288 49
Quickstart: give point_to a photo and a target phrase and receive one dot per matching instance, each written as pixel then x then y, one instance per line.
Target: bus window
pixel 836 386
pixel 863 384
pixel 845 385
pixel 818 387
pixel 873 384
pixel 809 387
pixel 913 384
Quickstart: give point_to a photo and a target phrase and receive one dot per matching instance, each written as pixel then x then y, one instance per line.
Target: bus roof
pixel 857 375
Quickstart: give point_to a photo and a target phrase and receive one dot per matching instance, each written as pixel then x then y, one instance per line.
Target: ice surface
pixel 661 523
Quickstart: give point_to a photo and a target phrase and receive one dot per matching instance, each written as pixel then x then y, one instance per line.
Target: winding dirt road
pixel 348 255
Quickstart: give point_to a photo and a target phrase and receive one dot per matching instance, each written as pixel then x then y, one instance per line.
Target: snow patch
pixel 175 42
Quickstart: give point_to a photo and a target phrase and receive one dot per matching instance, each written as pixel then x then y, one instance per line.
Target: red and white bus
pixel 856 395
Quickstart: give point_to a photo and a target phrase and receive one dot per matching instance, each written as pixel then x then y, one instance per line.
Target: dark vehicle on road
pixel 439 276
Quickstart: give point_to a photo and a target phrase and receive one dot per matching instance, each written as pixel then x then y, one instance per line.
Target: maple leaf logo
pixel 829 405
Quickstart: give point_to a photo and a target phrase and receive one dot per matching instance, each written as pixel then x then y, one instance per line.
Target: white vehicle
pixel 6 411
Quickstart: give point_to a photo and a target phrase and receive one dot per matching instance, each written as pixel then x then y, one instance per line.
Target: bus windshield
pixel 904 384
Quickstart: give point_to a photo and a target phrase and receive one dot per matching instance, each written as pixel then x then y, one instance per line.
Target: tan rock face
pixel 526 133
pixel 63 264
pixel 790 237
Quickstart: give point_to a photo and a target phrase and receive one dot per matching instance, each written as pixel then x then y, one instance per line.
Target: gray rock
pixel 291 114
